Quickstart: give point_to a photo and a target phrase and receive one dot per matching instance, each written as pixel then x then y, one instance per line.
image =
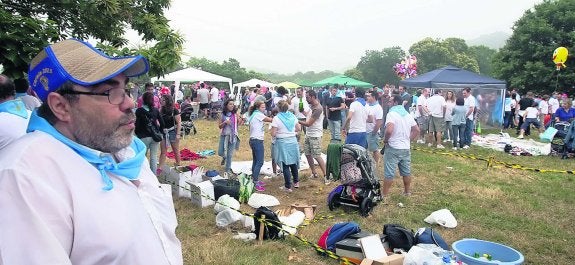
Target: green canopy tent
pixel 341 80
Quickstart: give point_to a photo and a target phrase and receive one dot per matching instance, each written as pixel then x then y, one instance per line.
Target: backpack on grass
pixel 337 232
pixel 398 236
pixel 272 225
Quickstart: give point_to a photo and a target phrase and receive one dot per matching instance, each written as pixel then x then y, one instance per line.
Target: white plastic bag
pixel 420 256
pixel 443 218
pixel 259 199
pixel 227 217
pixel 225 202
pixel 293 220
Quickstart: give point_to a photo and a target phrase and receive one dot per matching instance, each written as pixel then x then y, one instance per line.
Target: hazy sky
pixel 286 36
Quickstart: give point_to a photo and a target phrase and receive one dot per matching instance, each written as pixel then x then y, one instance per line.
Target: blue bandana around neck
pixel 254 114
pixel 361 100
pixel 288 119
pixel 15 107
pixel 399 109
pixel 104 162
pixel 373 104
pixel 19 95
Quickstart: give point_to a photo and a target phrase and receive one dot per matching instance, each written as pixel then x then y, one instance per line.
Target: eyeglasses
pixel 115 96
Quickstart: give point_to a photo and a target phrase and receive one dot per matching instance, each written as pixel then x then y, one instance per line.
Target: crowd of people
pixel 539 111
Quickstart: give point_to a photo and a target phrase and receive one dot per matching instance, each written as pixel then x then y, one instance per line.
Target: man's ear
pixel 60 106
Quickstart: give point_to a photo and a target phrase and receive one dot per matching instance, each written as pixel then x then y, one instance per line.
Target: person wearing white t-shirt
pixel 374 122
pixel 530 117
pixel 204 99
pixel 256 119
pixel 554 102
pixel 422 115
pixel 470 104
pixel 356 121
pixel 14 116
pixel 300 106
pixel 544 110
pixel 436 106
pixel 400 129
pixel 284 128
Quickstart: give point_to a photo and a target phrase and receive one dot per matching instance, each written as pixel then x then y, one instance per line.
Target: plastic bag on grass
pixel 225 202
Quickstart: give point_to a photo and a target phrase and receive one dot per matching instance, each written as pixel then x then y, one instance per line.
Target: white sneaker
pixel 446 140
pixel 520 137
pixel 466 147
pixel 440 146
pixel 429 145
pixel 420 141
pixel 454 148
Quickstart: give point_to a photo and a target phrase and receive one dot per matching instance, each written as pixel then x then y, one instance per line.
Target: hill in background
pixel 495 40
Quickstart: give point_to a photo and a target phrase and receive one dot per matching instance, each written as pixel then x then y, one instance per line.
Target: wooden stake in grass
pixel 262 224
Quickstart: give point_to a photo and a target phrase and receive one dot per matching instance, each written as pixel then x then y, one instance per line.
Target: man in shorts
pixel 400 129
pixel 374 122
pixel 204 99
pixel 312 141
pixel 422 115
pixel 436 106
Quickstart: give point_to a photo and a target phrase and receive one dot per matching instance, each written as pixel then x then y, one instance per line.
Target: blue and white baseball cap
pixel 77 61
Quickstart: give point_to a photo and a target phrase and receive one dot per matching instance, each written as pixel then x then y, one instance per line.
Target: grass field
pixel 530 211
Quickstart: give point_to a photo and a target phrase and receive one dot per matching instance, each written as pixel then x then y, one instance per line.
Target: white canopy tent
pixel 254 82
pixel 192 75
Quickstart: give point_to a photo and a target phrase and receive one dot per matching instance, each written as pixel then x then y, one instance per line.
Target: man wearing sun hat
pixel 77 189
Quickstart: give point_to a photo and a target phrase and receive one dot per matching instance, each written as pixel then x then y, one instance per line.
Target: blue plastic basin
pixel 465 249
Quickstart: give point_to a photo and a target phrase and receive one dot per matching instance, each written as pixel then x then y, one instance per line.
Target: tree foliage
pixel 436 53
pixel 526 59
pixel 229 68
pixel 354 73
pixel 376 67
pixel 26 26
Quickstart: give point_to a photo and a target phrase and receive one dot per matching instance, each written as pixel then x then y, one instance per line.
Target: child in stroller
pixel 360 187
pixel 187 114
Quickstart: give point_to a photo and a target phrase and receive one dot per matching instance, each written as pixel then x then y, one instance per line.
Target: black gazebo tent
pixel 489 92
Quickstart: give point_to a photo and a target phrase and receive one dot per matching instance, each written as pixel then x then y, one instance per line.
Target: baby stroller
pixel 188 113
pixel 563 141
pixel 360 187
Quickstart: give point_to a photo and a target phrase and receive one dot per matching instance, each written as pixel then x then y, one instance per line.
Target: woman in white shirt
pixel 256 120
pixel 284 128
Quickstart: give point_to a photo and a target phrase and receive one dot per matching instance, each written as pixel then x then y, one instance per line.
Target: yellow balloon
pixel 560 57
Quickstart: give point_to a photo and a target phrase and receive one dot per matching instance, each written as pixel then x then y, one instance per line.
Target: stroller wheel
pixel 333 202
pixel 366 206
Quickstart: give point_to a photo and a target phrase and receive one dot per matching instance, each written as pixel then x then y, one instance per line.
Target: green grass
pixel 530 211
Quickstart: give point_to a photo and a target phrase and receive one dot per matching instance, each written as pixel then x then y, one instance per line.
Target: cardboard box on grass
pixel 394 259
pixel 199 191
pixel 375 253
pixel 179 178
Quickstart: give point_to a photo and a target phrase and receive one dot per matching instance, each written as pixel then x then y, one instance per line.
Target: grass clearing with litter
pixel 529 211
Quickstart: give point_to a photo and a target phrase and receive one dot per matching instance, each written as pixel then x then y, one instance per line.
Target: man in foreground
pixel 400 129
pixel 78 189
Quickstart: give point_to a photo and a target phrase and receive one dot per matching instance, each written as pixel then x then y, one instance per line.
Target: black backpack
pixel 398 236
pixel 270 231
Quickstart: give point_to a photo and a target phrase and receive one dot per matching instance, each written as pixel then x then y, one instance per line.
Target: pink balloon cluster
pixel 406 68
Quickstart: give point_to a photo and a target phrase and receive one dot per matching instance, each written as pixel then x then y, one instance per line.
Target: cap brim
pixel 77 61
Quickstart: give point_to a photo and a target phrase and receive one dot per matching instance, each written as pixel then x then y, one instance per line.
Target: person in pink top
pixel 149 88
